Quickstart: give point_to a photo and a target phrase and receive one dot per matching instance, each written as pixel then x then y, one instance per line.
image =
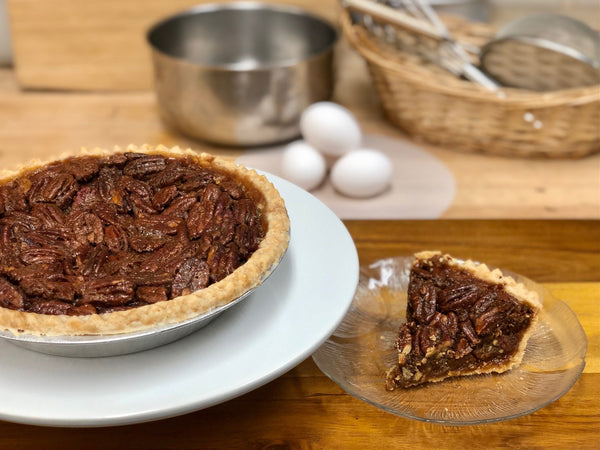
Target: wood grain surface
pixel 304 409
pixel 545 251
pixel 46 124
pixel 100 44
pixel 97 44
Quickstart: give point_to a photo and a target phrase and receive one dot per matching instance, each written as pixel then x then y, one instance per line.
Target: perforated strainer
pixel 544 52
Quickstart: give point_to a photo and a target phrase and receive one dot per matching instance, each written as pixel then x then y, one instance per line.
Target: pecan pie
pixel 110 242
pixel 462 319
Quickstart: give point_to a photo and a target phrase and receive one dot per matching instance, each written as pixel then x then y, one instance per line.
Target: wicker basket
pixel 432 104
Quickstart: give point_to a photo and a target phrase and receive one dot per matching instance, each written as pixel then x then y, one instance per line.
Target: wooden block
pixel 95 44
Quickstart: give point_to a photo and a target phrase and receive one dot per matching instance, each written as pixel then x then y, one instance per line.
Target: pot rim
pixel 243 6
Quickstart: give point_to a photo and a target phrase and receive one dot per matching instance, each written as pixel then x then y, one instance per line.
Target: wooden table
pixel 305 409
pixel 41 124
pixel 84 48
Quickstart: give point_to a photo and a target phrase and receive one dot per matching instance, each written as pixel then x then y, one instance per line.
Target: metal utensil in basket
pixel 431 38
pixel 433 105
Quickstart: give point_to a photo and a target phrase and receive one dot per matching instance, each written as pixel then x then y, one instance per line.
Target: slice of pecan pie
pixel 462 319
pixel 110 242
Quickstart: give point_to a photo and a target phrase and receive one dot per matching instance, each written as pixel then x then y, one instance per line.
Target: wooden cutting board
pixel 97 44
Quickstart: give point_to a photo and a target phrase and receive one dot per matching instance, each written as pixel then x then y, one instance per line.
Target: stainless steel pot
pixel 241 73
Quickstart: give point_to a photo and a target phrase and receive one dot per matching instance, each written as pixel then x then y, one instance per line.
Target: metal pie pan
pixel 118 344
pixel 92 346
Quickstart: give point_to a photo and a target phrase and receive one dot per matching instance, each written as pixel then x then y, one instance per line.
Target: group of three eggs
pixel 332 142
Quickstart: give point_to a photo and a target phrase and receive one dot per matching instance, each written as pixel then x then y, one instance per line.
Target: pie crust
pixel 484 330
pixel 243 279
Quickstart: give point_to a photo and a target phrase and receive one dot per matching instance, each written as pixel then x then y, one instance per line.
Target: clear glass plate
pixel 361 350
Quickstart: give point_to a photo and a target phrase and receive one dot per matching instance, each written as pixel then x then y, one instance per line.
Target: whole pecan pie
pixel 462 319
pixel 110 242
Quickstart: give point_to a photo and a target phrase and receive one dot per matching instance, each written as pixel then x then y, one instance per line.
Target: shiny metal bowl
pixel 241 73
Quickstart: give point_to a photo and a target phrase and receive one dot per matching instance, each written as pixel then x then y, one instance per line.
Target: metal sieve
pixel 544 52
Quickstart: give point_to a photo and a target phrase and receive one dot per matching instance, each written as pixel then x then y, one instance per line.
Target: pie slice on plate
pixel 112 242
pixel 462 319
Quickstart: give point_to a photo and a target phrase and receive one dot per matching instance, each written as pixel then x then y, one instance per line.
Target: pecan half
pixel 151 294
pixel 49 215
pixel 88 228
pixel 10 297
pixel 172 173
pixel 41 287
pixel 193 275
pixel 60 189
pixel 423 303
pixel 469 332
pixel 37 255
pixel 179 207
pixel 145 165
pixel 61 308
pixel 164 196
pixel 107 291
pixel 83 169
pixel 116 238
pixel 458 297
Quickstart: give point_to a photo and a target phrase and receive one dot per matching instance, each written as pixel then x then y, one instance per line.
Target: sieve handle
pixel 472 73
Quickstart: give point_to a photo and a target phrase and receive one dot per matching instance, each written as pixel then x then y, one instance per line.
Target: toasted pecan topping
pixel 98 234
pixel 456 324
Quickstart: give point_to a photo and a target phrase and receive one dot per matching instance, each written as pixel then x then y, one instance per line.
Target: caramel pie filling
pixel 97 234
pixel 457 324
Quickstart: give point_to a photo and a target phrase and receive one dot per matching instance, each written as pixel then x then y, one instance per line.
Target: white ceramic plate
pixel 279 325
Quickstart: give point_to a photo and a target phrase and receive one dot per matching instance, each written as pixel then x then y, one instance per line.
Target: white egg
pixel 330 128
pixel 362 173
pixel 303 165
